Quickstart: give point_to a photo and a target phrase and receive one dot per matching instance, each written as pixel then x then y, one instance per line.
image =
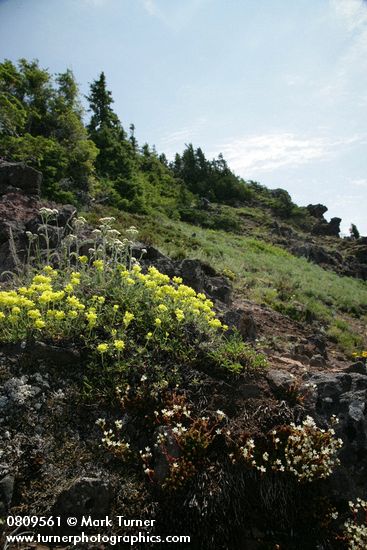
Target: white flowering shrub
pixel 305 451
pixel 356 528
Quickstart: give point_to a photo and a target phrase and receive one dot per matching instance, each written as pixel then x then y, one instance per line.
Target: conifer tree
pixel 115 151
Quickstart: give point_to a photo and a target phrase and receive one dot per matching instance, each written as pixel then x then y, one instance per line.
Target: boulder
pixel 317 361
pixel 66 213
pixel 192 274
pixel 359 367
pixel 317 254
pixel 242 320
pixel 317 210
pixel 360 253
pixel 344 394
pixel 204 204
pixel 219 288
pixel 331 228
pixel 14 175
pixel 53 355
pixel 6 493
pixel 84 496
pixel 280 381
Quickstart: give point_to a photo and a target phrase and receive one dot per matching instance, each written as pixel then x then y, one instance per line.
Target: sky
pixel 278 86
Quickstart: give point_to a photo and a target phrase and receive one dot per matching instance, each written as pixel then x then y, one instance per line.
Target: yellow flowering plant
pixel 109 306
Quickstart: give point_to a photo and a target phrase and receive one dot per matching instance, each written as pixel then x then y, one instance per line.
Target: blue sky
pixel 278 86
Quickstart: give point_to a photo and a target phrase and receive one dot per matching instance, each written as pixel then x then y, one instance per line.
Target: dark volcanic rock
pixel 192 274
pixel 317 210
pixel 331 228
pixel 19 176
pixel 359 367
pixel 6 493
pixel 53 355
pixel 280 381
pixel 219 288
pixel 171 449
pixel 360 253
pixel 243 320
pixel 317 254
pixel 85 496
pixel 345 395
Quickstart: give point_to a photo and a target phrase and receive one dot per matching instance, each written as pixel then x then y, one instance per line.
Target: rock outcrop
pixel 331 228
pixel 344 394
pixel 15 176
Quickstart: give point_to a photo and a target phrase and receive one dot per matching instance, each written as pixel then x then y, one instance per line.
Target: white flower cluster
pixel 78 223
pixel 146 456
pixel 247 451
pixel 47 213
pixel 356 531
pixel 311 452
pixel 110 439
pixel 176 411
pixel 307 452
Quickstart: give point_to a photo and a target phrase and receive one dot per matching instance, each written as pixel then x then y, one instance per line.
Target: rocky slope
pixel 51 461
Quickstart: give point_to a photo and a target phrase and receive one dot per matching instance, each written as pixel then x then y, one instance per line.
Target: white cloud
pixel 267 152
pixel 352 17
pixel 352 12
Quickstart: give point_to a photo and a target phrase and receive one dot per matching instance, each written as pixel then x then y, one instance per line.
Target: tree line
pixel 42 124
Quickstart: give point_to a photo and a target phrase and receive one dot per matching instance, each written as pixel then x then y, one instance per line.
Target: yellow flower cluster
pixel 360 354
pixel 62 304
pixel 174 299
pixel 39 305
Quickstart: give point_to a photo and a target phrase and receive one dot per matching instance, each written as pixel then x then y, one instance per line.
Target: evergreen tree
pixel 354 231
pixel 133 140
pixel 115 151
pixel 100 101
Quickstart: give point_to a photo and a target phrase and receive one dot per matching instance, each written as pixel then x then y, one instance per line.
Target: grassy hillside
pixel 263 272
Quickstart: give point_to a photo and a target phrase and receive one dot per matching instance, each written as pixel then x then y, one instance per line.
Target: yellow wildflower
pixel 180 316
pixel 119 344
pixel 34 313
pixel 98 264
pixel 74 302
pixel 102 348
pixel 128 317
pixel 91 318
pixel 41 279
pixel 215 323
pixel 59 315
